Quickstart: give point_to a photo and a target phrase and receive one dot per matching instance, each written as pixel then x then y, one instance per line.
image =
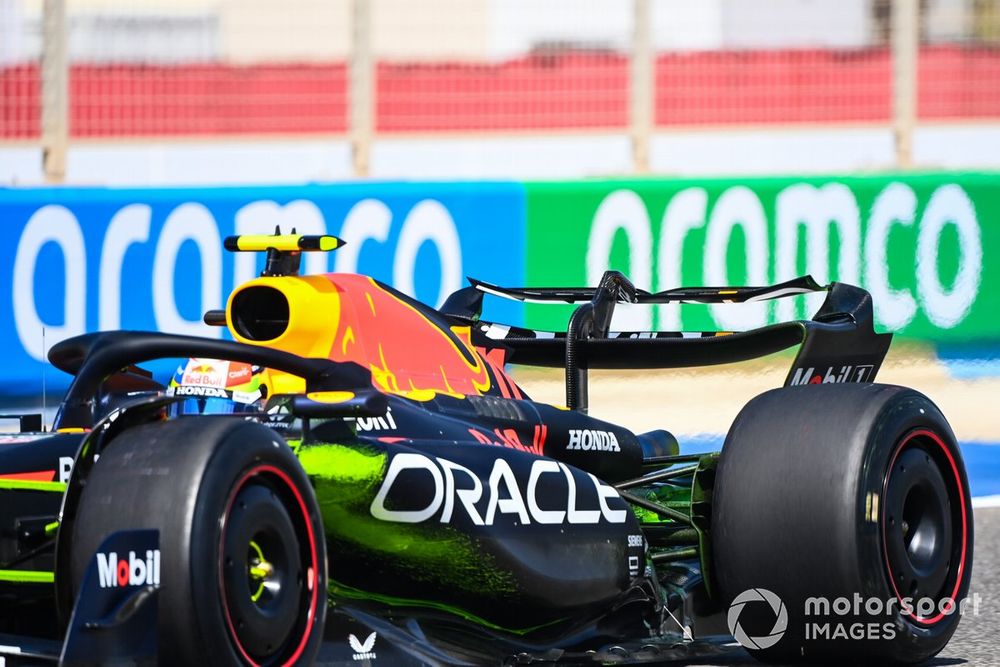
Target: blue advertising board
pixel 76 260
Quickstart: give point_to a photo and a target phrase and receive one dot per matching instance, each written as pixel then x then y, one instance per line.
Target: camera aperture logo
pixel 757 595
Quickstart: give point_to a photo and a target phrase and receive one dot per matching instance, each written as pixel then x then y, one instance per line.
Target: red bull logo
pixel 204 373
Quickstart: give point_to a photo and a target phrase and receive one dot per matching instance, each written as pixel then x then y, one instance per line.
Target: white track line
pixel 986 501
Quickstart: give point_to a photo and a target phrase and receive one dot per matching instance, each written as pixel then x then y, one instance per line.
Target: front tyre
pixel 243 560
pixel 851 504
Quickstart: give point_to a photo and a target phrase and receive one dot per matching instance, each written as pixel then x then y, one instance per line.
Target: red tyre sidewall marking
pixel 961 498
pixel 312 575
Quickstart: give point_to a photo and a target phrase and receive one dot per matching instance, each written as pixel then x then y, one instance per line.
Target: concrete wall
pixel 816 150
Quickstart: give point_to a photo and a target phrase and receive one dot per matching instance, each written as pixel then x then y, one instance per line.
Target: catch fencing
pixel 367 70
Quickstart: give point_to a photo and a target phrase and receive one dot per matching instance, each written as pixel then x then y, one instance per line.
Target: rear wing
pixel 839 343
pixel 801 285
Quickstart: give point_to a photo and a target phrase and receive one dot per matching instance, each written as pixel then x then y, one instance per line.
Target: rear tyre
pixel 855 494
pixel 243 559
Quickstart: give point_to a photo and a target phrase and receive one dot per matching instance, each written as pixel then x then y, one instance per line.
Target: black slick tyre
pixel 853 494
pixel 243 559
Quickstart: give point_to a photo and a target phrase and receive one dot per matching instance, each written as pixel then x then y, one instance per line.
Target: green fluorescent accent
pixel 27 576
pixel 702 489
pixel 257 550
pixel 342 591
pixel 674 497
pixel 31 485
pixel 347 479
pixel 51 528
pixel 345 464
pixel 259 571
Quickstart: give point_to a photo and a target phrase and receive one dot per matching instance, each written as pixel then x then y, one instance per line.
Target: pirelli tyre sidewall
pixel 812 485
pixel 229 498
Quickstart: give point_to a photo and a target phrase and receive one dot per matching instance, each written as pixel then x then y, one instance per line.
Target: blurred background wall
pixel 153 92
pixel 681 141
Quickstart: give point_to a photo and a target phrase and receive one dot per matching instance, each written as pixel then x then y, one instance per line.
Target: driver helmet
pixel 213 386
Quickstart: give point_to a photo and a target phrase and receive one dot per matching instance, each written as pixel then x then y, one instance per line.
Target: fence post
pixel 642 85
pixel 361 87
pixel 55 91
pixel 905 41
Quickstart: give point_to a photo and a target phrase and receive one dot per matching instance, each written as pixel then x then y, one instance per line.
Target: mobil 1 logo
pixel 832 374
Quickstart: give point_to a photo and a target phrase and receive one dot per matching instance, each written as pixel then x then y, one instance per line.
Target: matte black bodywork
pixel 460 529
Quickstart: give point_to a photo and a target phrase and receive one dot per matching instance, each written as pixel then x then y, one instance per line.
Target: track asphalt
pixel 977 640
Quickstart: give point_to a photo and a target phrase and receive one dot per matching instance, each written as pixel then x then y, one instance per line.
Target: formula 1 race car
pixel 399 498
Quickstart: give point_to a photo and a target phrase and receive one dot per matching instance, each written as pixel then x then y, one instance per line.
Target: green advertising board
pixel 927 246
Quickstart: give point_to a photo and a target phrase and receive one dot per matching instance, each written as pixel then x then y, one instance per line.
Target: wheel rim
pixel 268 568
pixel 924 526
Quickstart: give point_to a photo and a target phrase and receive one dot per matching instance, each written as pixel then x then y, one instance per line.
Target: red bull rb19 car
pixel 400 499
